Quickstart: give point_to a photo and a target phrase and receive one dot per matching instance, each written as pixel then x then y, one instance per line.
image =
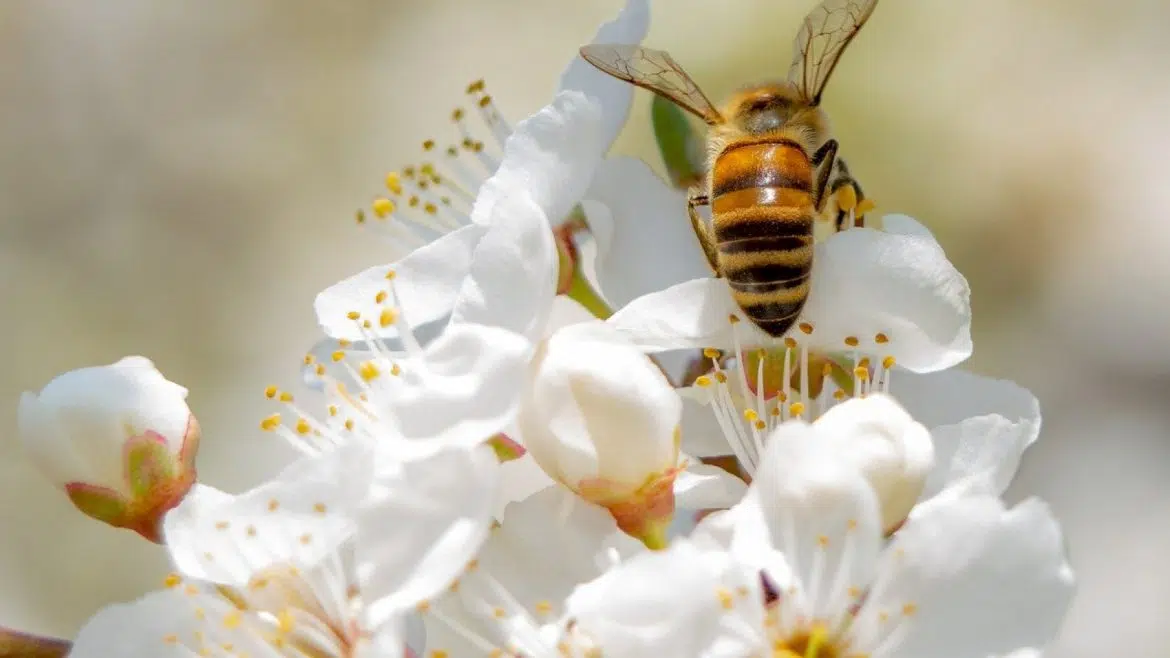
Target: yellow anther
pixel 359 216
pixel 353 315
pixel 349 424
pixel 430 209
pixel 782 396
pixel 344 342
pixel 457 114
pixel 285 396
pixel 270 423
pixel 473 565
pixel 383 207
pixel 908 609
pixel 796 408
pixel 319 508
pixel 775 411
pixel 889 362
pixel 838 394
pixel 171 638
pixel 427 169
pixel 721 377
pixel 222 525
pixel 413 201
pixel 232 619
pixel 726 599
pixel 306 539
pixel 826 369
pixel 760 425
pixel 172 581
pixel 852 524
pixel 368 371
pixel 805 327
pixel 366 324
pixel 881 339
pixel 711 353
pixel 861 372
pixel 823 541
pixel 452 151
pixel 429 145
pixel 394 182
pixel 751 415
pixel 273 505
pixel 408 172
pixel 864 207
pixel 390 274
pixel 337 356
pixel 309 359
pixel 332 409
pixel 381 296
pixel 499 613
pixel 790 342
pixel 388 317
pixel 852 341
pixel 395 370
pixel 702 381
pixel 733 318
pixel 270 392
pixel 475 86
pixel 439 653
pixel 854 592
pixel 485 101
pixel 320 370
pixel 846 198
pixel 303 427
pixel 543 607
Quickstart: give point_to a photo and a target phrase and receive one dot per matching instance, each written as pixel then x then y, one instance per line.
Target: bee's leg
pixel 702 231
pixel 823 160
pixel 851 201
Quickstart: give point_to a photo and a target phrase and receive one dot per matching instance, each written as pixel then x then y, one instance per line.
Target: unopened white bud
pixel 119 439
pixel 601 418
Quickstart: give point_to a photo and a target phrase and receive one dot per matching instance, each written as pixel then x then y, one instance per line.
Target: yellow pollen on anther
pixel 273 505
pixel 854 592
pixel 353 315
pixel 387 317
pixel 413 201
pixel 285 396
pixel 881 339
pixel 366 324
pixel 702 381
pixel 270 423
pixel 864 362
pixel 908 609
pixel 306 539
pixel 369 371
pixel 395 370
pixel 233 619
pixel 319 508
pixel 499 613
pixel 721 377
pixel 726 598
pixel 796 409
pixel 889 362
pixel 852 341
pixel 222 525
pixel 760 425
pixel 805 327
pixel 823 541
pixel 337 356
pixel 733 318
pixel 394 182
pixel 430 209
pixel 827 369
pixel 320 369
pixel 381 296
pixel 839 394
pixel 408 172
pixel 343 342
pixel 751 415
pixel 439 653
pixel 861 372
pixel 390 274
pixel 309 359
pixel 270 392
pixel 349 424
pixel 383 207
pixel 790 342
pixel 775 411
pixel 543 607
pixel 852 525
pixel 485 101
pixel 457 114
pixel 359 216
pixel 428 145
pixel 303 427
pixel 711 353
pixel 172 580
pixel 475 86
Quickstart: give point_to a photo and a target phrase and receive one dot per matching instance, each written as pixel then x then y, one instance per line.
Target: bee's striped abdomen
pixel 762 212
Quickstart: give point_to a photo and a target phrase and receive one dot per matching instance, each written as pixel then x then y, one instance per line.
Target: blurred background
pixel 178 179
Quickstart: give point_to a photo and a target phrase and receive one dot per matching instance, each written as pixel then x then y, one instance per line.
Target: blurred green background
pixel 177 180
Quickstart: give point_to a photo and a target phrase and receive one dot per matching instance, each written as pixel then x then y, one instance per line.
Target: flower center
pixel 435 196
pixel 761 388
pixel 814 643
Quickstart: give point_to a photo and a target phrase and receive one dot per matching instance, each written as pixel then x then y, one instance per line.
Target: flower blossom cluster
pixel 544 429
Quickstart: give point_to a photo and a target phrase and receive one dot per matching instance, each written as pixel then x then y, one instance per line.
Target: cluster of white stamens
pixel 755 391
pixel 351 414
pixel 429 199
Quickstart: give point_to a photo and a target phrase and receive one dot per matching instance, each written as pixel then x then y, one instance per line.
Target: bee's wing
pixel 826 31
pixel 654 70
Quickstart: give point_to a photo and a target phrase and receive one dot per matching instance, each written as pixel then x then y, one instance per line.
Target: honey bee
pixel 772 163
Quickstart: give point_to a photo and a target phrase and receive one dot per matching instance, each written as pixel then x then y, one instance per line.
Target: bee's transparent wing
pixel 654 70
pixel 826 32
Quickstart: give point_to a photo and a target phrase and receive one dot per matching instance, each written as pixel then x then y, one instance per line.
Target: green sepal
pixel 505 448
pixel 680 145
pixel 150 465
pixel 98 503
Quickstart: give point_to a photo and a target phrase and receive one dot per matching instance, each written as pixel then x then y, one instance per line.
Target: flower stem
pixel 581 292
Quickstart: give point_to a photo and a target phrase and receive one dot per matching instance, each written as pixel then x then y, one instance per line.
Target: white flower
pixel 119 439
pixel 460 206
pixel 964 578
pixel 603 420
pixel 327 560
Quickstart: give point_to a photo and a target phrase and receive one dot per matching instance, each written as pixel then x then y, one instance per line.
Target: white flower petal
pixel 548 161
pixel 867 282
pixel 701 434
pixel 979 580
pixel 300 516
pixel 892 451
pixel 615 96
pixel 980 425
pixel 701 486
pixel 648 220
pixel 655 604
pixel 691 314
pixel 464 389
pixel 520 479
pixel 809 519
pixel 422 524
pixel 566 311
pixel 426 284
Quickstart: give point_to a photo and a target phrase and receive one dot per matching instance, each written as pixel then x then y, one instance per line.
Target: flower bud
pixel 892 451
pixel 603 420
pixel 119 438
